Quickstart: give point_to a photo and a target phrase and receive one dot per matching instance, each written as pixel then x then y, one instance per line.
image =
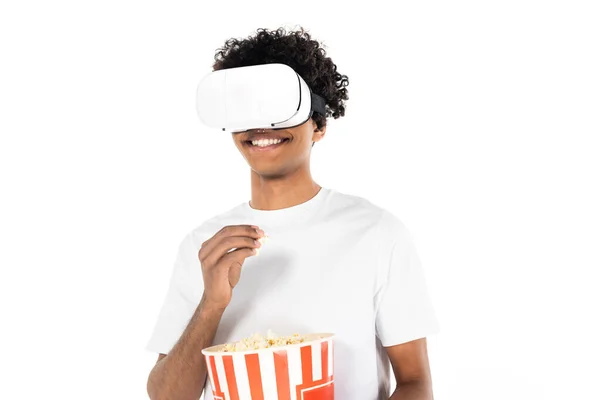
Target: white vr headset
pixel 266 96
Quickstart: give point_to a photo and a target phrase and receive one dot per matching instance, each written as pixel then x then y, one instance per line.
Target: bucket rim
pixel 319 337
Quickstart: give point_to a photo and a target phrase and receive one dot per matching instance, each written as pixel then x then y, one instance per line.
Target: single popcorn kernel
pixel 262 241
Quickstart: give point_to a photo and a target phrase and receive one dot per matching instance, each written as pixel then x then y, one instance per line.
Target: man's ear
pixel 318 133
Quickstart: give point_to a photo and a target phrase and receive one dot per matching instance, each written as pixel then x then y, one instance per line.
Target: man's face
pixel 276 153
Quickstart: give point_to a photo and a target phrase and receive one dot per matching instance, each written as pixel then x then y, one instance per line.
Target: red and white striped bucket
pixel 302 371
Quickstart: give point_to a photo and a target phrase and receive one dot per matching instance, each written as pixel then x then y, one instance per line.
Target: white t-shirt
pixel 336 263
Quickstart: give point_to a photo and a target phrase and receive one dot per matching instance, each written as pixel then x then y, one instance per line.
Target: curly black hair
pixel 297 50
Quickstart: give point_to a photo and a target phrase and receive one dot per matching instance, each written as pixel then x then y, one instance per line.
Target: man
pixel 334 262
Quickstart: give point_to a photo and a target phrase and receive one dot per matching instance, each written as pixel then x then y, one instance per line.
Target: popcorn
pixel 262 241
pixel 258 341
pixel 237 369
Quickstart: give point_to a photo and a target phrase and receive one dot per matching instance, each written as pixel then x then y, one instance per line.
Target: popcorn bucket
pixel 301 371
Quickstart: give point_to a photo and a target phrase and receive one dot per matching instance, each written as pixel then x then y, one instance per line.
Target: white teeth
pixel 265 142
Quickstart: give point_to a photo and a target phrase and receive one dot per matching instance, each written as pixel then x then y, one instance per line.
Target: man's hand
pixel 222 257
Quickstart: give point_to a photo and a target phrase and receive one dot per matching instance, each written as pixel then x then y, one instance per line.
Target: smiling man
pixel 334 262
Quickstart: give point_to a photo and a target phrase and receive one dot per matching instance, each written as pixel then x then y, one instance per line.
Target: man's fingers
pixel 233 230
pixel 228 245
pixel 227 231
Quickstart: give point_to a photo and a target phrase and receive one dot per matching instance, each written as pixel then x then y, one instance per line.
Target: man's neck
pixel 274 194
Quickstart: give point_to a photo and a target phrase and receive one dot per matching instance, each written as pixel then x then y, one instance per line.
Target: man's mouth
pixel 265 143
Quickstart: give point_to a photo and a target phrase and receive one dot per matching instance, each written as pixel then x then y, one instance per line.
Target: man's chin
pixel 269 173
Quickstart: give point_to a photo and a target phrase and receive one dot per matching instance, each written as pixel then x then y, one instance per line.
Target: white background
pixel 477 123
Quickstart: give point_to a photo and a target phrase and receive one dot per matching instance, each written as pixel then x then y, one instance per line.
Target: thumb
pixel 235 271
pixel 234 262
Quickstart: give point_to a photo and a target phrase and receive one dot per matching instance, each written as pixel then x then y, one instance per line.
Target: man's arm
pixel 181 374
pixel 410 364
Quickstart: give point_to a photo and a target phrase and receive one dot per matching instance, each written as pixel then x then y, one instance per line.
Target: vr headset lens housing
pixel 267 96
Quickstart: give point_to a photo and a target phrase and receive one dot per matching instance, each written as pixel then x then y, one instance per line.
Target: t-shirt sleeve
pixel 405 311
pixel 182 298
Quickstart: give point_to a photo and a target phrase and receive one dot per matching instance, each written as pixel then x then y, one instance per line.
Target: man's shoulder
pixel 362 204
pixel 354 202
pixel 359 206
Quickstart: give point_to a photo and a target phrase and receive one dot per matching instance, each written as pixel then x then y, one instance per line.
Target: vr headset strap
pixel 317 103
